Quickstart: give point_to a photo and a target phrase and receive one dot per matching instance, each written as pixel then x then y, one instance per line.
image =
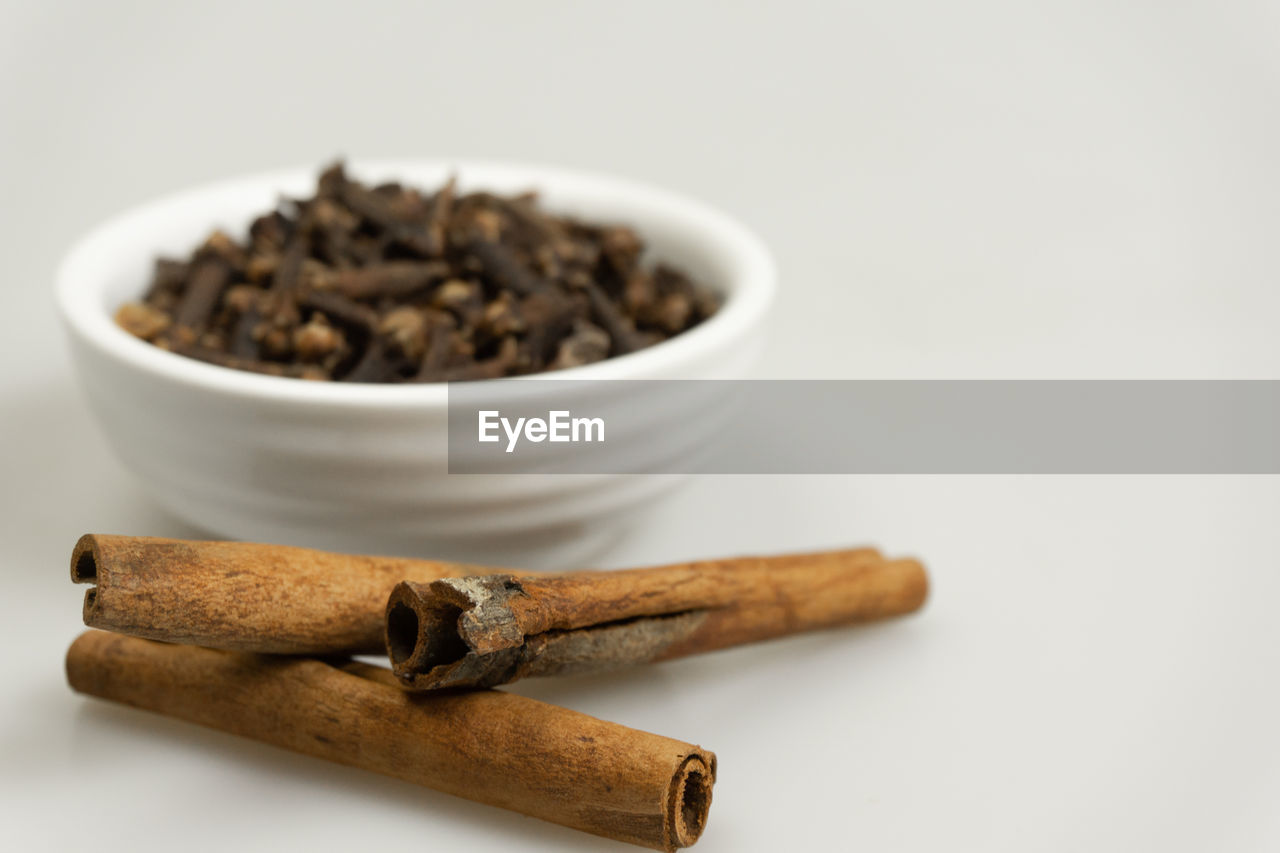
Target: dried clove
pixel 588 343
pixel 390 284
pixel 142 320
pixel 394 279
pixel 204 290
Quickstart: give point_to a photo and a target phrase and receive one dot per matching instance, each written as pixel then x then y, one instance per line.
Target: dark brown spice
pixel 142 320
pixel 390 284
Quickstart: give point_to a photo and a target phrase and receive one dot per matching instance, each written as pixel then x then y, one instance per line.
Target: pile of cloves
pixel 390 284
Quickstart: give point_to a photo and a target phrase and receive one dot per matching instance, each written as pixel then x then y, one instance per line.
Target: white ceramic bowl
pixel 363 467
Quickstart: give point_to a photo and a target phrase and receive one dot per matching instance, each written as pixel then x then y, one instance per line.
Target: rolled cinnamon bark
pixel 482 631
pixel 244 596
pixel 492 747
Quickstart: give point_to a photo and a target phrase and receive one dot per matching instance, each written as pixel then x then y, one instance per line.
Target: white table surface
pixel 1071 189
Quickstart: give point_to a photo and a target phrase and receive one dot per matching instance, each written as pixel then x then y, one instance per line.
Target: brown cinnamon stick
pixel 482 631
pixel 243 596
pixel 492 747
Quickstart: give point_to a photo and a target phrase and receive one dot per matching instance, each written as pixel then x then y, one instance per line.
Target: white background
pixel 1078 189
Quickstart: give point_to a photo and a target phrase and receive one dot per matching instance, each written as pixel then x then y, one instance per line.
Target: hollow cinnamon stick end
pixel 689 799
pixel 404 629
pixel 84 559
pixel 421 628
pixel 453 632
pixel 85 568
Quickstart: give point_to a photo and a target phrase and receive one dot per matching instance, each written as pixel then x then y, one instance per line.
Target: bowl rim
pixel 80 279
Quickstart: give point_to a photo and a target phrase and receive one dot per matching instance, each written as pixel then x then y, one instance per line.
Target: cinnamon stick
pixel 492 747
pixel 482 631
pixel 243 596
